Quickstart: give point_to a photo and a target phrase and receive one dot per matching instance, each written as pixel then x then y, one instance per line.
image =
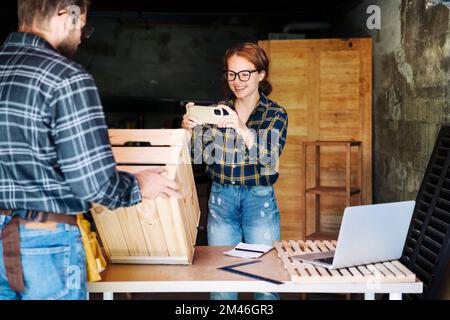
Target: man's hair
pixel 29 11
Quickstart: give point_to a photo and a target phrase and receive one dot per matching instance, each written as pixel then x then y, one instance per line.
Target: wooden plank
pixel 376 273
pixel 314 248
pixel 388 274
pixel 321 246
pixel 150 155
pixel 157 137
pixel 406 271
pixel 366 273
pixel 164 209
pixel 287 247
pixel 329 245
pixel 280 251
pixel 345 274
pixel 149 260
pixel 111 233
pixel 356 273
pixel 153 232
pixel 296 247
pixel 394 270
pixel 136 169
pixel 132 231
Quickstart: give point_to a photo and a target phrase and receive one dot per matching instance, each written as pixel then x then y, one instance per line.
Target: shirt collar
pixel 263 102
pixel 27 39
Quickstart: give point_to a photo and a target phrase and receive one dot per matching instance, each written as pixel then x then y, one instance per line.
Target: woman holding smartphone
pixel 241 153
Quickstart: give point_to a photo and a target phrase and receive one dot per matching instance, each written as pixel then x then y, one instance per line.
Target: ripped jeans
pixel 239 213
pixel 53 263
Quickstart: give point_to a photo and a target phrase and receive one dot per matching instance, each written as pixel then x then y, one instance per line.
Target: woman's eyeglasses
pixel 243 75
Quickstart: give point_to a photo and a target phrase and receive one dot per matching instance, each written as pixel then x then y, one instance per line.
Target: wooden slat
pixel 287 247
pixel 153 232
pixel 356 273
pixel 111 233
pixel 403 269
pixel 144 155
pixel 132 231
pixel 159 137
pixel 394 270
pixel 386 272
pixel 149 260
pixel 321 246
pixel 374 270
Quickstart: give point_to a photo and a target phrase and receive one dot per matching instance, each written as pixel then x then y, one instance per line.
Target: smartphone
pixel 207 114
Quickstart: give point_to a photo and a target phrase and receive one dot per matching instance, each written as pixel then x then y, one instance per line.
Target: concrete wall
pixel 411 87
pixel 135 58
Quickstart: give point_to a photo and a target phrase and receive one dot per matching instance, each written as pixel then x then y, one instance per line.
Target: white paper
pixel 242 253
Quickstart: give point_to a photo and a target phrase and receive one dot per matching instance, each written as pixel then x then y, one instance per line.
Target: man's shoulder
pixel 62 67
pixel 50 64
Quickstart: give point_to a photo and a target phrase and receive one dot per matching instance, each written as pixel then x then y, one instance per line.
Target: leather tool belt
pixel 11 240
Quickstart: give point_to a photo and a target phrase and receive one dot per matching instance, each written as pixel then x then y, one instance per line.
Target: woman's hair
pixel 254 54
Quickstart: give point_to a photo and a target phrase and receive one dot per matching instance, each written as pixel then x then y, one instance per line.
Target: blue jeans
pixel 239 213
pixel 53 264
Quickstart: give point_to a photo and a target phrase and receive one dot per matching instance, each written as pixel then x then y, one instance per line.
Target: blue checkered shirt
pixel 55 154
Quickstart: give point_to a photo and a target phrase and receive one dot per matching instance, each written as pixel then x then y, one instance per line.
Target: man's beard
pixel 69 46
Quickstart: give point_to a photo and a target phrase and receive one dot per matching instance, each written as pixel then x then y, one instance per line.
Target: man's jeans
pixel 238 213
pixel 53 263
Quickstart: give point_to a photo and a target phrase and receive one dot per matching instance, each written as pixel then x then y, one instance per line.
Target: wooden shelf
pixel 312 211
pixel 323 236
pixel 340 191
pixel 332 143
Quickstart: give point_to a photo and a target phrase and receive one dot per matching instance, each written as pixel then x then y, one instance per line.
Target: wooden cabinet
pixel 326 88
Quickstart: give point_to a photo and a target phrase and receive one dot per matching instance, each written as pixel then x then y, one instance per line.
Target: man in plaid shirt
pixel 55 155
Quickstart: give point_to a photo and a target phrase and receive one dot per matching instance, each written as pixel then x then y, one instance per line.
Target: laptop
pixel 368 234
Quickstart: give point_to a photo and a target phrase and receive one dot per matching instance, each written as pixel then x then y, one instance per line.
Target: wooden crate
pixel 161 231
pixel 300 272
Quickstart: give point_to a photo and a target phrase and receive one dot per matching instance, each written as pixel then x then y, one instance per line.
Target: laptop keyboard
pixel 326 260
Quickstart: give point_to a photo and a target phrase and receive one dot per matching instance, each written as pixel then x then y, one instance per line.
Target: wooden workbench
pixel 203 276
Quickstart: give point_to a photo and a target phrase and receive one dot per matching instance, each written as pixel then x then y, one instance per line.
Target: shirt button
pixel 232 182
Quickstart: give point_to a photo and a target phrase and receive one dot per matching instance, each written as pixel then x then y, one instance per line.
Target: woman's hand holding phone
pixel 189 121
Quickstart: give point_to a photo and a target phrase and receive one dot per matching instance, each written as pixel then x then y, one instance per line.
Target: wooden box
pixel 161 231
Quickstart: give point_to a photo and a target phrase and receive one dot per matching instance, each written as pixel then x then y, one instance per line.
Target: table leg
pixel 369 296
pixel 108 295
pixel 395 296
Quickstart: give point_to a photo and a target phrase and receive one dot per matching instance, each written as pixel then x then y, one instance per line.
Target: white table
pixel 203 276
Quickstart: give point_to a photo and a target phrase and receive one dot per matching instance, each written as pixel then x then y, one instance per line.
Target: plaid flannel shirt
pixel 55 154
pixel 230 161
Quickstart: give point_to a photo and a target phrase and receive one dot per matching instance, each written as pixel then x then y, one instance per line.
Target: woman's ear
pixel 262 75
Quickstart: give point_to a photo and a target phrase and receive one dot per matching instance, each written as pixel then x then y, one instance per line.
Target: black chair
pixel 427 247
